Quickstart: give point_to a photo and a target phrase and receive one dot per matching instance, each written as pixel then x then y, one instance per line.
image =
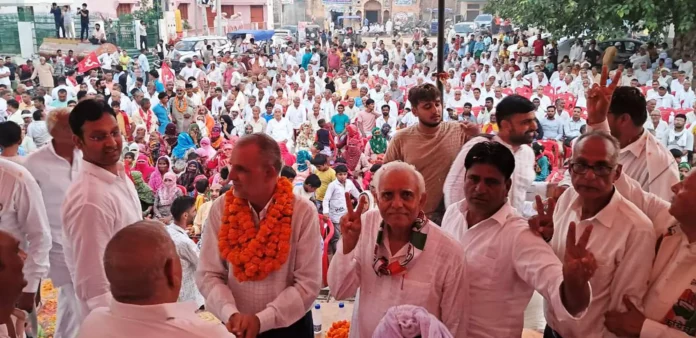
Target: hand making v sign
pixel 542 223
pixel 599 96
pixel 351 224
pixel 579 264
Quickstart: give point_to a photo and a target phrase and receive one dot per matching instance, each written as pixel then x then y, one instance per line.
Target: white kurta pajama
pixel 97 205
pixel 54 176
pixel 437 280
pixel 286 295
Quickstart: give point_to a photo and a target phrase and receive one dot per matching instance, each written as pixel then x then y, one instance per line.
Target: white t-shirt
pixel 5 80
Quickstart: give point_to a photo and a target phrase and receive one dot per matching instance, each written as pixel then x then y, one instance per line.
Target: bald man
pixel 55 166
pixel 143 268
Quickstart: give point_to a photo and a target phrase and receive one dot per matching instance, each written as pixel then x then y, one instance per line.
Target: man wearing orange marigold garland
pixel 264 272
pixel 397 256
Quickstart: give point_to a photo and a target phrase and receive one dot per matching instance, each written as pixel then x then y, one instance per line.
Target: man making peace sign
pixel 396 256
pixel 623 240
pixel 506 260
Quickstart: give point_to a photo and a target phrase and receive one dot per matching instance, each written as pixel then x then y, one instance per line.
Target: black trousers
pixel 59 27
pixel 302 328
pixel 143 42
pixel 550 333
pixel 84 31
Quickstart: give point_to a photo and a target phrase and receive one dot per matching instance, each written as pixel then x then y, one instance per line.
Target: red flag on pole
pixel 167 73
pixel 88 63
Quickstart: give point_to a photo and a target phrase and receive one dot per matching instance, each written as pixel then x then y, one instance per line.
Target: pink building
pixel 251 14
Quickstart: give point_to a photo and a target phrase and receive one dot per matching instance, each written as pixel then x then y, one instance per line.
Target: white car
pixel 188 47
pixel 282 37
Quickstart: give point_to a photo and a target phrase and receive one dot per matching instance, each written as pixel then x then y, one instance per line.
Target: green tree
pixel 606 18
pixel 145 12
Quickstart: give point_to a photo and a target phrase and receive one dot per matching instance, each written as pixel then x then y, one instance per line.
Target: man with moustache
pixel 100 202
pixel 516 120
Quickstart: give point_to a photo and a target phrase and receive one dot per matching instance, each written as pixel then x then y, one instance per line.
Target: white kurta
pixel 622 241
pixel 509 263
pixel 23 215
pixel 97 205
pixel 437 280
pixel 170 320
pixel 286 294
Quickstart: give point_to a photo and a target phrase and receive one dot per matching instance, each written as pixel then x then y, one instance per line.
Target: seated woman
pixel 303 167
pixel 145 194
pixel 377 145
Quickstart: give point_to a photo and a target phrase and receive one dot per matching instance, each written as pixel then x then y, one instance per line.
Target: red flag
pixel 88 63
pixel 167 74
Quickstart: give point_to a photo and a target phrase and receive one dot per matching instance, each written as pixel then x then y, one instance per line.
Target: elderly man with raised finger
pixel 395 255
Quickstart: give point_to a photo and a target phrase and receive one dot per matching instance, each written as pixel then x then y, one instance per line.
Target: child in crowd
pixel 288 172
pixel 308 188
pixel 334 203
pixel 201 186
pixel 325 173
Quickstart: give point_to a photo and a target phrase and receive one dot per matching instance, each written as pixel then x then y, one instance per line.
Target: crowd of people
pixel 145 199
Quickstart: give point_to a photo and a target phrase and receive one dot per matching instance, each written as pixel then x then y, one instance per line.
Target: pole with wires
pixel 440 45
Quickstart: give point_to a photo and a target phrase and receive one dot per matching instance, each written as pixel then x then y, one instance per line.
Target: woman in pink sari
pixel 164 165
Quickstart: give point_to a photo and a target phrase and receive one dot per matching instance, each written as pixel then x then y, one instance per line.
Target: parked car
pixel 484 21
pixel 190 46
pixel 283 37
pixel 626 47
pixel 463 29
pixel 292 29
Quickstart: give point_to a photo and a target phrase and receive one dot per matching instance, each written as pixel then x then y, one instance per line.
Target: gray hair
pixel 56 115
pixel 399 166
pixel 613 153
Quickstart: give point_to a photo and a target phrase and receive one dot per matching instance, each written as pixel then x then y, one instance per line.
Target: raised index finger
pixel 585 237
pixel 539 206
pixel 604 77
pixel 362 204
pixel 615 80
pixel 349 206
pixel 570 240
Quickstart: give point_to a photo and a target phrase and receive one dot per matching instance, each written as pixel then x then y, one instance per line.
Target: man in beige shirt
pixel 44 71
pixel 431 145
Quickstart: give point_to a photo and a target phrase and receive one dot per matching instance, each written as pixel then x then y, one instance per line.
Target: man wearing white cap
pixel 665 79
pixel 518 81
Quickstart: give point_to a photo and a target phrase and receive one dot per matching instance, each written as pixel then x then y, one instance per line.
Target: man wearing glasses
pixel 623 239
pixel 99 203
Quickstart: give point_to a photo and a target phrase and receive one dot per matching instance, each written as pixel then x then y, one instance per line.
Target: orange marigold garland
pixel 339 329
pixel 255 252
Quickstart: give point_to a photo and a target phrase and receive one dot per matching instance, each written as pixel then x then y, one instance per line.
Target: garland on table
pixel 255 252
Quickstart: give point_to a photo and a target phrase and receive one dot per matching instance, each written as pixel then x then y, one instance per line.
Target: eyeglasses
pixel 101 138
pixel 599 170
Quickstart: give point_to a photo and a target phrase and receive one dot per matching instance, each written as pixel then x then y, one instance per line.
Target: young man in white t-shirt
pixel 5 76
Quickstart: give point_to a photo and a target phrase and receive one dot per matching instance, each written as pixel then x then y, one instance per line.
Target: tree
pixel 145 12
pixel 606 18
